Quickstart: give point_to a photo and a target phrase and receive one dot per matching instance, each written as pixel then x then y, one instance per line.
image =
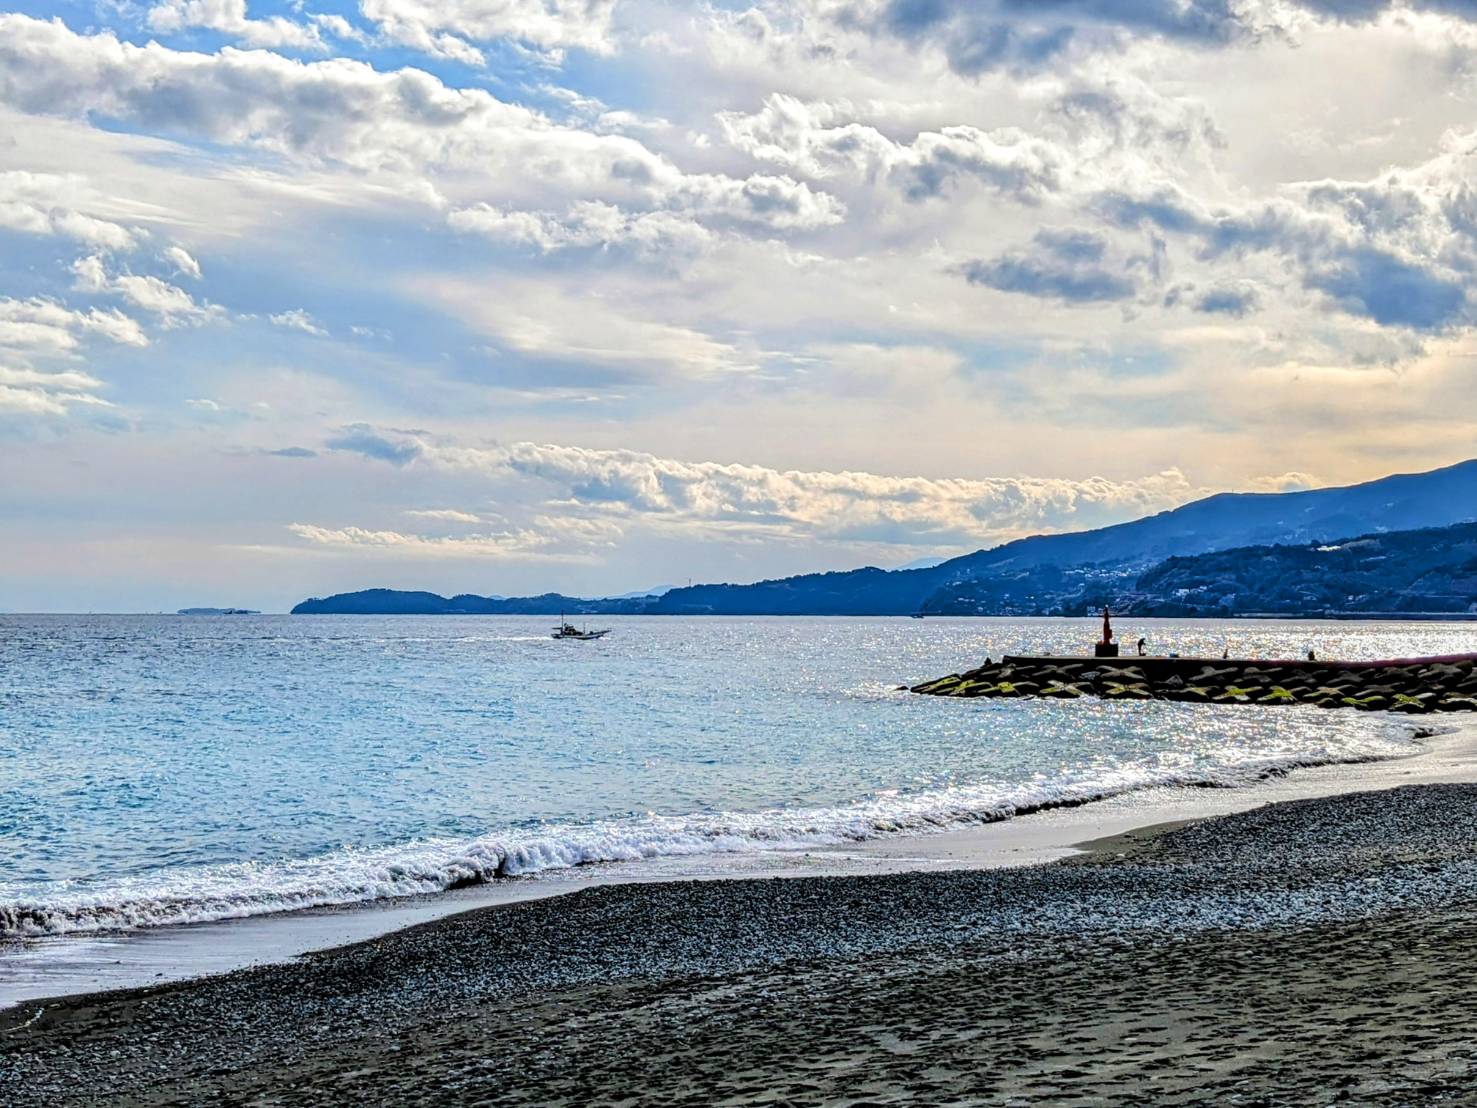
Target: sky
pixel 509 296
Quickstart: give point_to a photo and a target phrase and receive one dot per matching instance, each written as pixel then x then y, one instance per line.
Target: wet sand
pixel 1317 951
pixel 74 965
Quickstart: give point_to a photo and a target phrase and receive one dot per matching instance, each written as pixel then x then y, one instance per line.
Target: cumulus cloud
pixel 1364 11
pixel 829 187
pixel 295 319
pixel 405 127
pixel 43 327
pixel 519 544
pixel 1399 251
pixel 1122 114
pixel 981 36
pixel 26 391
pixel 817 139
pixel 1065 266
pixel 1284 482
pixel 444 515
pixel 977 36
pixel 1232 299
pixel 33 332
pixel 675 233
pixel 638 488
pixel 55 204
pixel 361 438
pixel 184 264
pixel 449 28
pixel 660 234
pixel 174 304
pixel 331 111
pixel 228 17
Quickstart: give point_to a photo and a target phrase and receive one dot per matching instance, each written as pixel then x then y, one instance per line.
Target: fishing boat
pixel 570 631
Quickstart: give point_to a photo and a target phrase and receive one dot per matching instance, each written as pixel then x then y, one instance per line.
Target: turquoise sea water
pixel 160 770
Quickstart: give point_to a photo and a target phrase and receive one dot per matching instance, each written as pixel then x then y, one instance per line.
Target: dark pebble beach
pixel 1313 952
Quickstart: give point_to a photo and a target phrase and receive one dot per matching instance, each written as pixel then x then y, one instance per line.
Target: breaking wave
pixel 205 894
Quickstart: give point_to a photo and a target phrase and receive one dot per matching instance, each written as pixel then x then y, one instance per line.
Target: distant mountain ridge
pixel 1016 574
pixel 1431 570
pixel 1428 571
pixel 394 602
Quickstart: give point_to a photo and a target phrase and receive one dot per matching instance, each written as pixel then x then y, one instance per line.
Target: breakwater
pixel 1409 685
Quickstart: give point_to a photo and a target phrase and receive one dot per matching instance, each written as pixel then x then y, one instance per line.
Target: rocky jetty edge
pixel 1412 686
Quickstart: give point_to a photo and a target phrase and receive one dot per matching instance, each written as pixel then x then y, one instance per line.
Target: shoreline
pixel 1448 755
pixel 47 970
pixel 1298 948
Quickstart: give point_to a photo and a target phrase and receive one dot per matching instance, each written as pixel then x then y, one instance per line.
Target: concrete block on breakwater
pixel 1409 685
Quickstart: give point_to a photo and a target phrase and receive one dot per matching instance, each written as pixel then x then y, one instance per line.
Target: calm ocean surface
pixel 159 770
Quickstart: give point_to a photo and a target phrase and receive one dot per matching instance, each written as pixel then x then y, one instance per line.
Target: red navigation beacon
pixel 1107 648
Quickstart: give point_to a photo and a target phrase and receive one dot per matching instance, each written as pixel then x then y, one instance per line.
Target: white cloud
pixel 814 139
pixel 27 391
pixel 44 327
pixel 979 37
pixel 229 18
pixel 748 236
pixel 521 544
pixel 405 128
pixel 32 402
pixel 298 320
pixel 1284 482
pixel 334 111
pixel 662 234
pixel 52 204
pixel 448 28
pixel 444 515
pixel 174 304
pixel 71 380
pixel 184 264
pixel 1399 250
pixel 548 321
pixel 35 335
pixel 341 28
pixel 768 203
pixel 846 506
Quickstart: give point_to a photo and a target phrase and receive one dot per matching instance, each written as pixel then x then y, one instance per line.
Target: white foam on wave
pixel 205 894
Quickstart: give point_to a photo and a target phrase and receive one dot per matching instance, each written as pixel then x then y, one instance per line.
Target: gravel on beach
pixel 1318 951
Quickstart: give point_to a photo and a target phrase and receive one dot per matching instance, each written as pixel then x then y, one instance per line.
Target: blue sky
pixel 594 295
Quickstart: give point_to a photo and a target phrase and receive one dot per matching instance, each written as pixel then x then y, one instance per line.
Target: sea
pixel 167 770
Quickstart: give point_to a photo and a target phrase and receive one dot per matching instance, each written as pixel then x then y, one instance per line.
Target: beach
pixel 38 969
pixel 1318 950
pixel 806 552
pixel 747 871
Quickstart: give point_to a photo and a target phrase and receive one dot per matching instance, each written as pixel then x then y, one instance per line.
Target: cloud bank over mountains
pixel 577 500
pixel 790 286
